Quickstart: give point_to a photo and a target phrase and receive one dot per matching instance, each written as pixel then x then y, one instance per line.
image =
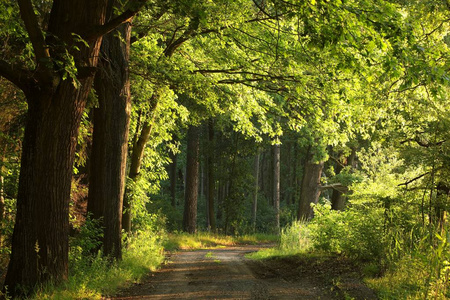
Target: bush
pixel 357 233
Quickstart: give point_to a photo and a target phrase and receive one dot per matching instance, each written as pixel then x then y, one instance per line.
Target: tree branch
pixel 414 179
pixel 34 32
pixel 336 186
pixel 15 74
pixel 134 6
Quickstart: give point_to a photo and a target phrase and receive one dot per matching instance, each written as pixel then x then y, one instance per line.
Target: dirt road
pixel 227 274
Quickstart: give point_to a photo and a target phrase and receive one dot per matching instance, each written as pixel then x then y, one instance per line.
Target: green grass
pixel 99 277
pixel 205 240
pixel 294 239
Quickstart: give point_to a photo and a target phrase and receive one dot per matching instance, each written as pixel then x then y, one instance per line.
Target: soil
pixel 225 273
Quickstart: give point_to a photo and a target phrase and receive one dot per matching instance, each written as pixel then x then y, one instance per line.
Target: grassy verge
pixel 294 239
pixel 97 277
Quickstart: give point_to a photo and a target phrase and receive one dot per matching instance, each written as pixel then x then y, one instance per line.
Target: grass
pixel 294 239
pixel 206 240
pixel 99 277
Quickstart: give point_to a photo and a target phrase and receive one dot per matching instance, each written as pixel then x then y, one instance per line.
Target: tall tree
pixel 276 184
pixel 211 178
pixel 56 89
pixel 192 176
pixel 110 135
pixel 256 189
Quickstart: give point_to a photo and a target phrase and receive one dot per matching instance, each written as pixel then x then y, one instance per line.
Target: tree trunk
pixel 136 161
pixel 211 179
pixel 192 162
pixel 110 137
pixel 256 190
pixel 173 178
pixel 2 189
pixel 337 199
pixel 310 191
pixel 55 106
pixel 276 184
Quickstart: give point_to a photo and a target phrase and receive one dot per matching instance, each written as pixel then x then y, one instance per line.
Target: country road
pixel 225 273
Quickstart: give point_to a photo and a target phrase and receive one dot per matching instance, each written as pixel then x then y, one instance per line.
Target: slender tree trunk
pixel 192 164
pixel 2 189
pixel 211 179
pixel 256 190
pixel 173 179
pixel 110 137
pixel 310 191
pixel 276 184
pixel 136 161
pixel 337 199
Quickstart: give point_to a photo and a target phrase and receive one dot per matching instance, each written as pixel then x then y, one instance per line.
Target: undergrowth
pixel 94 276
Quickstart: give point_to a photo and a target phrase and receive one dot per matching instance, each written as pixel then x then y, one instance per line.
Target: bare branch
pixel 414 179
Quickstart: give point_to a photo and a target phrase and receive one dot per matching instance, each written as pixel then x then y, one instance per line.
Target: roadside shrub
pixel 356 233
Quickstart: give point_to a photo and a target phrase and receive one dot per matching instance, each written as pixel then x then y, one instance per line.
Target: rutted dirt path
pixel 225 273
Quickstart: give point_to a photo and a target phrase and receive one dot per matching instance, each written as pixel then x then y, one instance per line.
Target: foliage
pixel 94 276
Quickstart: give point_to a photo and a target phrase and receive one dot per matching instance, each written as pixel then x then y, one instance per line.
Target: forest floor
pixel 225 273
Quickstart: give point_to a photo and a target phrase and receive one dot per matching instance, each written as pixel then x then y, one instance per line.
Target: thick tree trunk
pixel 256 190
pixel 276 185
pixel 211 179
pixel 110 138
pixel 310 191
pixel 55 106
pixel 190 202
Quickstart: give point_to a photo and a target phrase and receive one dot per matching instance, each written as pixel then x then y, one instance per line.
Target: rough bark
pixel 211 179
pixel 110 138
pixel 310 190
pixel 276 185
pixel 256 190
pixel 192 174
pixel 40 237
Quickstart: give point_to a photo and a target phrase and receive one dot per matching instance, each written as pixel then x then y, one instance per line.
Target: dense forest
pixel 122 121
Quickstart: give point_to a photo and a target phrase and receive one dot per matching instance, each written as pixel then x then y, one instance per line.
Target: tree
pixel 276 184
pixel 192 163
pixel 56 88
pixel 110 135
pixel 310 189
pixel 211 178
